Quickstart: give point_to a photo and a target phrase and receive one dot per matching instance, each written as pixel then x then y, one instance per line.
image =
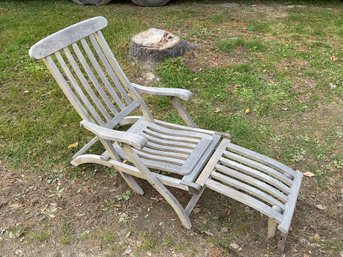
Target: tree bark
pixel 154 45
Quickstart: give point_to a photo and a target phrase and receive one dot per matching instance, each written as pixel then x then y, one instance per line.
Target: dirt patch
pixel 96 215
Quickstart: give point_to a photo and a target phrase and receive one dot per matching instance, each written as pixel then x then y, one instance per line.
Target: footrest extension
pixel 254 180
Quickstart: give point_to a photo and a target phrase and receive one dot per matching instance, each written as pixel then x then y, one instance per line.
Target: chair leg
pixel 281 245
pixel 195 198
pixel 271 228
pixel 132 183
pixel 174 203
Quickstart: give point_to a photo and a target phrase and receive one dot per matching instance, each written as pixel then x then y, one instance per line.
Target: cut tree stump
pixel 153 45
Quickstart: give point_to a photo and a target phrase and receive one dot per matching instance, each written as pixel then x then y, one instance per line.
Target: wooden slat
pixel 183 128
pixel 120 116
pixel 65 37
pixel 157 158
pixel 197 153
pixel 169 148
pixel 171 138
pixel 93 79
pixel 205 174
pixel 256 165
pixel 172 168
pixel 262 159
pixel 246 188
pixel 85 84
pixel 79 91
pixel 121 75
pixel 66 89
pixel 252 181
pixel 165 153
pixel 256 174
pixel 166 142
pixel 101 74
pixel 202 161
pixel 245 199
pixel 109 69
pixel 175 131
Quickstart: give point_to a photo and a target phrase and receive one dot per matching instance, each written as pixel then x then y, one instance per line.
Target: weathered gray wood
pixel 120 116
pixel 171 138
pixel 252 181
pixel 248 177
pixel 262 159
pixel 125 168
pixel 109 69
pixel 203 160
pixel 272 224
pixel 121 75
pixel 205 174
pixel 93 79
pixel 134 140
pixel 66 89
pixel 66 37
pixel 86 104
pixel 290 205
pixel 244 198
pixel 183 128
pixel 183 94
pixel 246 188
pixel 86 85
pixel 195 198
pixel 101 74
pixel 182 112
pixel 253 164
pixel 255 173
pixel 174 203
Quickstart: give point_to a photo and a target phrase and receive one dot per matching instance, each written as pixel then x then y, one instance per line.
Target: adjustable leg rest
pixel 255 180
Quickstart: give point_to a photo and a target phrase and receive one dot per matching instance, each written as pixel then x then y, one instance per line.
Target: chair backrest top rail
pixel 67 36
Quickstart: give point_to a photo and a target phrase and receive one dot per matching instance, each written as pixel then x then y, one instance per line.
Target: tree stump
pixel 153 45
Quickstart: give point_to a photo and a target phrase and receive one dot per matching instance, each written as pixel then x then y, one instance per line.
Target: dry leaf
pixel 217 110
pixel 215 252
pixel 247 110
pixel 333 58
pixel 16 205
pixel 73 145
pixel 308 174
pixel 235 246
pixel 320 207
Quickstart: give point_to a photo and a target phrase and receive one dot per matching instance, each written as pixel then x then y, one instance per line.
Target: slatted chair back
pixel 85 68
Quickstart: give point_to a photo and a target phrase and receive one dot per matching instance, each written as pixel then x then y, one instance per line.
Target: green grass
pixel 277 66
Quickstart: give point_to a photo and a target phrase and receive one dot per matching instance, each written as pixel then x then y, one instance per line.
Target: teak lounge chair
pixel 82 63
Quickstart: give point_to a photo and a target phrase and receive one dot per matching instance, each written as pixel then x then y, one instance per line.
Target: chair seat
pixel 173 148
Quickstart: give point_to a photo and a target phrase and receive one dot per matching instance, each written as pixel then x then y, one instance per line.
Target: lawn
pixel 268 72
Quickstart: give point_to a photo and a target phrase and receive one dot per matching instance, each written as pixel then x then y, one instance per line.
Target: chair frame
pixel 106 106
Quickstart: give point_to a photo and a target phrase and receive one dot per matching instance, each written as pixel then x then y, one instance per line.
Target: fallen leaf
pixel 308 174
pixel 217 110
pixel 215 252
pixel 247 110
pixel 320 207
pixel 208 233
pixel 333 58
pixel 127 251
pixel 224 230
pixel 73 145
pixel 16 205
pixel 235 246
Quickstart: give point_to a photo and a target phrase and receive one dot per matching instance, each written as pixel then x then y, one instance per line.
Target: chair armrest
pixel 183 94
pixel 129 138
